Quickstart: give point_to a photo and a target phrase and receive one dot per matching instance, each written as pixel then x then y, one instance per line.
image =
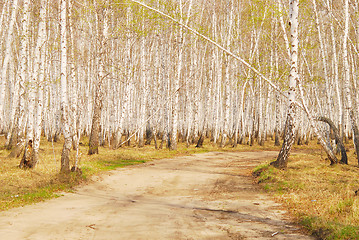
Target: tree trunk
pixel 289 136
pixel 39 74
pixel 27 156
pixel 9 42
pixel 289 132
pixel 338 139
pixel 65 155
pixel 277 121
pixel 200 141
pixel 347 87
pixel 96 119
pixel 95 129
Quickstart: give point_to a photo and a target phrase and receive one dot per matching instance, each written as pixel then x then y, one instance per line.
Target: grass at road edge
pixel 320 197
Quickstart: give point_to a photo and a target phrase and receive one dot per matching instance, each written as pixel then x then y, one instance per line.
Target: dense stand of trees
pixel 118 72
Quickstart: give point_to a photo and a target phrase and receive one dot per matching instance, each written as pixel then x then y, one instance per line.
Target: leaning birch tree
pixel 282 159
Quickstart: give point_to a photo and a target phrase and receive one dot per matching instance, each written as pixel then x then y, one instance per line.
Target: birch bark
pixel 336 72
pixel 174 130
pixel 143 82
pixel 227 76
pixel 289 132
pixel 39 73
pixel 281 21
pixel 65 155
pixel 323 55
pixel 176 84
pixel 16 131
pixel 99 94
pixel 347 88
pixel 7 59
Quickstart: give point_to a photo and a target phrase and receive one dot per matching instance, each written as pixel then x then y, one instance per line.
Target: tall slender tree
pixel 347 85
pixel 65 156
pixel 289 132
pixel 102 18
pixel 15 132
pixel 9 40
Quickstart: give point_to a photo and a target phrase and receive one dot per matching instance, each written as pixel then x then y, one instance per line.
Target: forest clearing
pixel 153 79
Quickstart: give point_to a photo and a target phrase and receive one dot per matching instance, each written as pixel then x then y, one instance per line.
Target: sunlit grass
pixel 320 196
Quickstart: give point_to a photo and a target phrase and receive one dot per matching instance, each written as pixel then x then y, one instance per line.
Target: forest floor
pixel 202 196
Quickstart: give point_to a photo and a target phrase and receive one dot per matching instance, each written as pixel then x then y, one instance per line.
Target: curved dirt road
pixel 204 196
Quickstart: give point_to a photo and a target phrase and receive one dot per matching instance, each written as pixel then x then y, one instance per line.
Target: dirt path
pixel 206 196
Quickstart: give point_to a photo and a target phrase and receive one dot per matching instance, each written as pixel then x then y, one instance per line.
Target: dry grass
pixel 20 187
pixel 320 196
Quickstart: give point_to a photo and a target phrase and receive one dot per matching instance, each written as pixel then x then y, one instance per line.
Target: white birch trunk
pixel 3 15
pixel 73 83
pixel 38 73
pixel 65 156
pixel 176 84
pixel 143 81
pixel 174 130
pixel 227 80
pixel 336 71
pixel 18 122
pixel 197 94
pixel 7 59
pixel 323 56
pixel 347 87
pixel 282 159
pixel 281 21
pixel 126 83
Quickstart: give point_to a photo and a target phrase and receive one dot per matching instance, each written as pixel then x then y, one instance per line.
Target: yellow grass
pixel 320 196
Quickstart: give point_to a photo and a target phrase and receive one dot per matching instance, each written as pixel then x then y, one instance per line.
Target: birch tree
pixel 38 73
pixel 95 129
pixel 176 84
pixel 65 156
pixel 7 59
pixel 289 132
pixel 347 87
pixel 15 132
pixel 227 75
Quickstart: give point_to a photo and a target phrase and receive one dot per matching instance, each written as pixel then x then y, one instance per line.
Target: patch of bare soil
pixel 204 196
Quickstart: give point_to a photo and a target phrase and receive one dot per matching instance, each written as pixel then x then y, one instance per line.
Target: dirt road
pixel 204 196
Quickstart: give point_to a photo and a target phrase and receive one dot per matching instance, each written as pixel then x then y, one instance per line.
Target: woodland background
pixel 115 71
